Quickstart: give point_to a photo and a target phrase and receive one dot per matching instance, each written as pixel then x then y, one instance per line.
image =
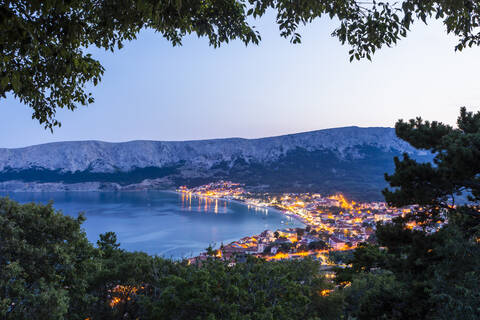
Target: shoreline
pixel 85 190
pixel 171 196
pixel 288 219
pixel 4 193
pixel 284 213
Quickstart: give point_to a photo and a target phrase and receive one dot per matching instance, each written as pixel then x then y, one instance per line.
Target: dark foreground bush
pixel 48 270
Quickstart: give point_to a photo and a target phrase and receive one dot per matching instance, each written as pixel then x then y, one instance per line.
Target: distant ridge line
pixel 209 139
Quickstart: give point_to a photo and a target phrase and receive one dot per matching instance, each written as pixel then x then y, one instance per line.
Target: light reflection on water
pixel 164 223
pixel 204 204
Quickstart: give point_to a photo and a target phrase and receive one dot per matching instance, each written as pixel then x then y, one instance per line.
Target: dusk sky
pixel 153 91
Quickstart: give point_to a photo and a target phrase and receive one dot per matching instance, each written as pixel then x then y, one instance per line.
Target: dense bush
pixel 48 270
pixel 421 268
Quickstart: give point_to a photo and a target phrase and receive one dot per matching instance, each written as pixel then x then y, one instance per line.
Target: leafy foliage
pixel 431 271
pixel 48 270
pixel 455 169
pixel 44 62
pixel 43 44
pixel 252 290
pixel 45 260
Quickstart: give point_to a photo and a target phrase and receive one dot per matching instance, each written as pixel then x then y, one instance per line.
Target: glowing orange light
pixel 342 201
pixel 325 292
pixel 124 293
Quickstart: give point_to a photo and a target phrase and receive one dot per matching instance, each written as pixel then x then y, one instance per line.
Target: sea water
pixel 163 223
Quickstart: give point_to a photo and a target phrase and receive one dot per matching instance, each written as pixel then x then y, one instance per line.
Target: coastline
pixel 5 192
pixel 105 211
pixel 284 213
pixel 145 185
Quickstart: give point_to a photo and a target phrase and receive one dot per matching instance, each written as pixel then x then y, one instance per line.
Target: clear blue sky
pixel 153 91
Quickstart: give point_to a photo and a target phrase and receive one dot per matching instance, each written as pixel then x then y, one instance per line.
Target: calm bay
pixel 160 222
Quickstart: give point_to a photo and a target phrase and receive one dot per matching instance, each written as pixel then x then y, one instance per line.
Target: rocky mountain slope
pixel 351 159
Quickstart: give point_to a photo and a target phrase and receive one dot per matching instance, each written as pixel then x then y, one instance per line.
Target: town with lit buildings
pixel 332 223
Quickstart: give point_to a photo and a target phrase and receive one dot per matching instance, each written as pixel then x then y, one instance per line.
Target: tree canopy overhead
pixel 43 43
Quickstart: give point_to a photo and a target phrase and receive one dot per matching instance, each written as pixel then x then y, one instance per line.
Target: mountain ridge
pixel 308 160
pixel 194 140
pixel 142 153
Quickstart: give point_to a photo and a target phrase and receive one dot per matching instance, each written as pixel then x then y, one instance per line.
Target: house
pixel 336 243
pixel 261 247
